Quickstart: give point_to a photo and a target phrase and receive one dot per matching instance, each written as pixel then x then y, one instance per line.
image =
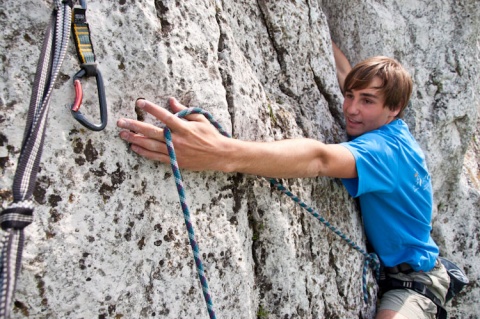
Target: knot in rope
pixel 13 220
pixel 17 215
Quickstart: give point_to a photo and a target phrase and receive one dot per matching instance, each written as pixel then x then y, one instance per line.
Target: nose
pixel 350 106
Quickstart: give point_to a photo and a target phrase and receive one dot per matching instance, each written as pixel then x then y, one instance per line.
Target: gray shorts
pixel 412 304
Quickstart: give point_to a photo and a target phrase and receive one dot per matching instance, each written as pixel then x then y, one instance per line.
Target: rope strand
pixel 184 205
pixel 19 214
pixel 370 259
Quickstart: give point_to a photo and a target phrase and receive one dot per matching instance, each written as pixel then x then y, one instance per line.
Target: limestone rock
pixel 108 239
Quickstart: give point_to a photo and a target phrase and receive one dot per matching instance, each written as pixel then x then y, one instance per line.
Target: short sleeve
pixel 376 164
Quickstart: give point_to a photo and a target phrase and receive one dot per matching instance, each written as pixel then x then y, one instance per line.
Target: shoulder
pixel 387 134
pixel 372 141
pixel 384 142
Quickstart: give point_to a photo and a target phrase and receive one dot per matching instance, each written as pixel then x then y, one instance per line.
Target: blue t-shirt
pixel 395 193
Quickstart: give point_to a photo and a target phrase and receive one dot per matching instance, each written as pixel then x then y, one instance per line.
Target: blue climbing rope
pixel 370 259
pixel 183 202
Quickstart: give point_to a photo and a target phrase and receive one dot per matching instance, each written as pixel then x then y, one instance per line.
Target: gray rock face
pixel 108 238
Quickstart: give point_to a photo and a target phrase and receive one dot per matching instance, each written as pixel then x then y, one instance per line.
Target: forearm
pixel 342 64
pixel 282 159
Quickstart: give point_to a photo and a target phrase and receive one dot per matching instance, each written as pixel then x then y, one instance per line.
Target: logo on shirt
pixel 421 182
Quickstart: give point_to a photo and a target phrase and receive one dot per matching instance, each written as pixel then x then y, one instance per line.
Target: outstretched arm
pixel 199 147
pixel 342 64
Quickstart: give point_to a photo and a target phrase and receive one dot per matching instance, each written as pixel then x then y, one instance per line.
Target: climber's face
pixel 365 109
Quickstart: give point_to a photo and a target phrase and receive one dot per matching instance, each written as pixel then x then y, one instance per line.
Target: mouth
pixel 353 122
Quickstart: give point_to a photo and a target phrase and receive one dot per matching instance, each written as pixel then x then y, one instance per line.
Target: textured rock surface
pixel 108 239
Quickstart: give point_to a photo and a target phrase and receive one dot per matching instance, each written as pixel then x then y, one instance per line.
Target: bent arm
pixel 342 64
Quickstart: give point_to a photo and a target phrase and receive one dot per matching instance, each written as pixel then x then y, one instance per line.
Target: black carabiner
pixel 89 69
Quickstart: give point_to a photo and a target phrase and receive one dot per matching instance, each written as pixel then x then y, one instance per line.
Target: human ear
pixel 394 113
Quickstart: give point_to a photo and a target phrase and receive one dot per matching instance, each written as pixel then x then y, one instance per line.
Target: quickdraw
pixel 86 55
pixel 19 214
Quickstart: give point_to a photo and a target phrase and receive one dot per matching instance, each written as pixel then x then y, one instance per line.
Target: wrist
pixel 228 157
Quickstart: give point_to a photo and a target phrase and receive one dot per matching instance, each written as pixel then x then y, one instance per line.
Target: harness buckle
pixel 87 70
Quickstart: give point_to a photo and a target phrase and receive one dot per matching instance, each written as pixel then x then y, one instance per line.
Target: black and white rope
pixel 19 214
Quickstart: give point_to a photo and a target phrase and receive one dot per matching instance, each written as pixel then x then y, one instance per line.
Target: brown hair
pixel 396 81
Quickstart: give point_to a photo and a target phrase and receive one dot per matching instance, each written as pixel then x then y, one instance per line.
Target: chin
pixel 353 133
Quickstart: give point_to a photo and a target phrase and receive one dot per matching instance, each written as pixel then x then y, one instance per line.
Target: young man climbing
pixel 381 164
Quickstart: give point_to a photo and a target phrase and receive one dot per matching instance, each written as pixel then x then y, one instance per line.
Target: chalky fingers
pixel 167 117
pixel 142 128
pixel 148 147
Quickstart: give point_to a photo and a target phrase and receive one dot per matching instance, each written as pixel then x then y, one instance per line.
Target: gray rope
pixel 19 214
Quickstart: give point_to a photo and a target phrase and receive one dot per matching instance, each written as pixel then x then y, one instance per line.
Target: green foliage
pixel 271 114
pixel 262 313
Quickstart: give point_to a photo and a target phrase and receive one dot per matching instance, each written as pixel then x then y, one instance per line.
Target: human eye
pixel 368 101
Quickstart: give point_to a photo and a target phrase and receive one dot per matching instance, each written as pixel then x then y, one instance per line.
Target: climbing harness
pixel 88 68
pixel 370 259
pixel 19 214
pixel 418 287
pixel 458 280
